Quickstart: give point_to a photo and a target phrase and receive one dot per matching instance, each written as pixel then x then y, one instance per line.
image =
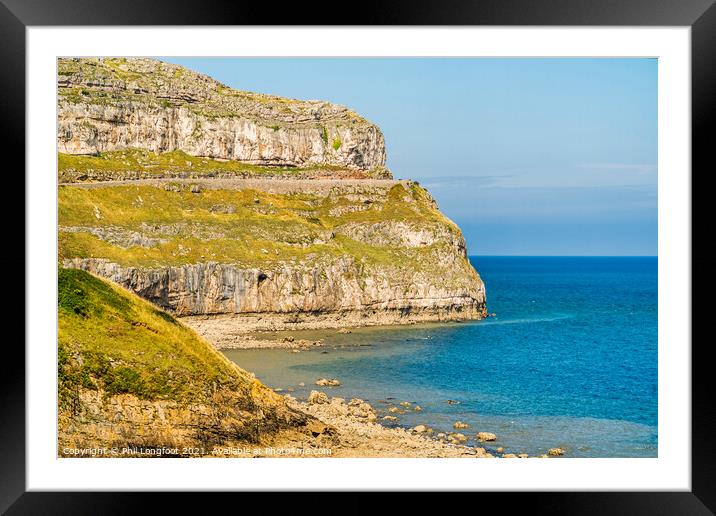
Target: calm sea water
pixel 570 360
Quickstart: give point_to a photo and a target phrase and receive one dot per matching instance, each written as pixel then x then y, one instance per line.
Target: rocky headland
pixel 240 209
pixel 227 212
pixel 244 209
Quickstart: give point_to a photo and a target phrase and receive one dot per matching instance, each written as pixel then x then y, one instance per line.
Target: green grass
pixel 246 253
pixel 245 227
pixel 112 340
pixel 150 164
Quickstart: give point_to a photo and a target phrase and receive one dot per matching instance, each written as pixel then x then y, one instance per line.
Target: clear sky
pixel 528 156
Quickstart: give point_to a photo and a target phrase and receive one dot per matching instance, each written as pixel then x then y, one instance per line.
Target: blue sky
pixel 529 156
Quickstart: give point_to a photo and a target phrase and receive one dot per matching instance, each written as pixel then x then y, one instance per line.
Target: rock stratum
pixel 251 210
pixel 109 104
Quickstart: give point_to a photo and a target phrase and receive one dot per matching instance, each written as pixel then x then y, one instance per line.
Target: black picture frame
pixel 17 15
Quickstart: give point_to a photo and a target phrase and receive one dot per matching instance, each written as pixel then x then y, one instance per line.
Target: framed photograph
pixel 432 250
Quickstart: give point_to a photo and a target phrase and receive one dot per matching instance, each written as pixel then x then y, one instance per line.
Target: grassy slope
pixel 110 339
pixel 132 160
pixel 246 227
pixel 110 165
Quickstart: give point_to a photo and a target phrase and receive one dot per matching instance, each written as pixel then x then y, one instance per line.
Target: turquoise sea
pixel 570 360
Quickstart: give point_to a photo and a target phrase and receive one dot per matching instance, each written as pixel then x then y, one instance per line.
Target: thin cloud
pixel 456 181
pixel 643 168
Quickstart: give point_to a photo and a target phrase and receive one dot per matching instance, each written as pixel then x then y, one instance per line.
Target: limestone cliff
pixel 114 104
pixel 202 236
pixel 357 252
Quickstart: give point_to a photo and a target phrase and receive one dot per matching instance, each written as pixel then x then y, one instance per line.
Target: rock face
pixel 262 253
pixel 214 288
pixel 114 104
pixel 310 253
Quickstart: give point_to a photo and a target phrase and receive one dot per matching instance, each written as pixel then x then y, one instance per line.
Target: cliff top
pixel 131 118
pixel 134 164
pixel 150 81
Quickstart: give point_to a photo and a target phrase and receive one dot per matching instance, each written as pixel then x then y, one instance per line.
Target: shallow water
pixel 570 360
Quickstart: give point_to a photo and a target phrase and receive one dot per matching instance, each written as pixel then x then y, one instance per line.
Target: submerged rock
pixel 328 382
pixel 457 437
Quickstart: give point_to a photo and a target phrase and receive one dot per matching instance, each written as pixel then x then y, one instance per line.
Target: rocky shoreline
pixel 355 428
pixel 354 432
pixel 323 427
pixel 233 331
pixel 245 341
